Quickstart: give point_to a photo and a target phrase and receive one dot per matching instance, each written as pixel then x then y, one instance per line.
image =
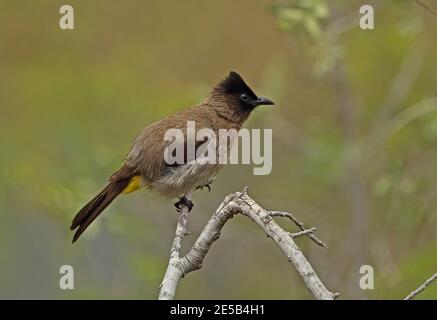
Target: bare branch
pixel 302 233
pixel 239 202
pixel 300 225
pixel 173 272
pixel 422 287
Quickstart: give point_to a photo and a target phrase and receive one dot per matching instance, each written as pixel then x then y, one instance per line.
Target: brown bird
pixel 227 107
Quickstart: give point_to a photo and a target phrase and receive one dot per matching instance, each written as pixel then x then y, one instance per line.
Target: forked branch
pixel 240 202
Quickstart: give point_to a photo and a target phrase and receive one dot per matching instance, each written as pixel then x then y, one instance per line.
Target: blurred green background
pixel 354 143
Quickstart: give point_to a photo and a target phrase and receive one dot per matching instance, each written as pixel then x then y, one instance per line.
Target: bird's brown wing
pixel 147 152
pixel 199 148
pixel 126 172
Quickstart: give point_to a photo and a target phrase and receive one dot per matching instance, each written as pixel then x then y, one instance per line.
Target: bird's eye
pixel 244 96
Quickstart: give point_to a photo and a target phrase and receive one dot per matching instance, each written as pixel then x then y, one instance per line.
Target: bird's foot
pixel 207 184
pixel 183 201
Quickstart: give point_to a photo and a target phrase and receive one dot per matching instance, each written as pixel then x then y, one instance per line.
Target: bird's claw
pixel 207 185
pixel 183 201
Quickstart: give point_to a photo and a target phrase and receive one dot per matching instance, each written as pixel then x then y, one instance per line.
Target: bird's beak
pixel 262 101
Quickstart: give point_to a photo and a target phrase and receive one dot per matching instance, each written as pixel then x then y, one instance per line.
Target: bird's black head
pixel 235 87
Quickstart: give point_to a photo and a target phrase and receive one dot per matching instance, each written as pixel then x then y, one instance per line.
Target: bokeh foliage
pixel 355 133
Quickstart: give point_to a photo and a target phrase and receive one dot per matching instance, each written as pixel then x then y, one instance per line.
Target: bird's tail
pixel 92 209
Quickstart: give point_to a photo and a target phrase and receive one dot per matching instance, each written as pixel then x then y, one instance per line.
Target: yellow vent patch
pixel 135 183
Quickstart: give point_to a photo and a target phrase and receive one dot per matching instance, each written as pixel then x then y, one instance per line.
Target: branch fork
pixel 240 202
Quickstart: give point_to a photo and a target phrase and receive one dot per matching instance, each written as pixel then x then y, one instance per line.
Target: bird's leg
pixel 184 201
pixel 207 184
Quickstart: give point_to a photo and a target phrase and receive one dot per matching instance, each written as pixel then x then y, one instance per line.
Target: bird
pixel 227 106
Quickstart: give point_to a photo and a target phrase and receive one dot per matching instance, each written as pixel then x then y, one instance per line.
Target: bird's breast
pixel 179 180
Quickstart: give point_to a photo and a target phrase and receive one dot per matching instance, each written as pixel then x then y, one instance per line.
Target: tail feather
pixel 93 208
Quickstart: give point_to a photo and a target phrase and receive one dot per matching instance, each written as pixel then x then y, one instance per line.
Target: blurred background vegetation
pixel 355 142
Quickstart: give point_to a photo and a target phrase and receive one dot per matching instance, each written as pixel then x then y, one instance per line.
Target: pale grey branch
pixel 303 232
pixel 301 226
pixel 174 273
pixel 422 287
pixel 240 202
